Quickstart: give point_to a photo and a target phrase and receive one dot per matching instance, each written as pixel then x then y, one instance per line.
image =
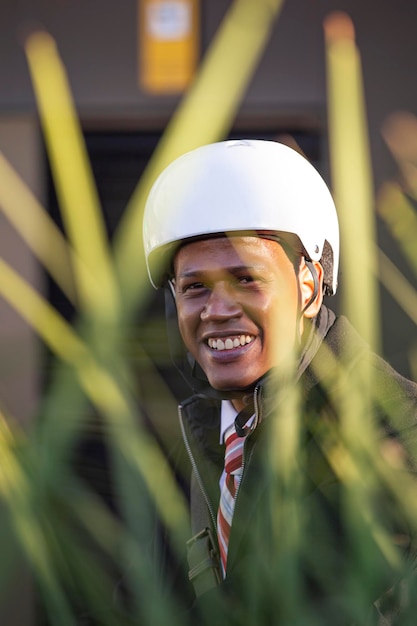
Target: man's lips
pixel 229 343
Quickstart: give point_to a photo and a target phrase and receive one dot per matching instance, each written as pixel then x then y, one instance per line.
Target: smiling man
pixel 243 236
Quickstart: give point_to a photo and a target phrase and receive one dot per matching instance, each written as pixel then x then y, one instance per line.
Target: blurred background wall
pixel 99 41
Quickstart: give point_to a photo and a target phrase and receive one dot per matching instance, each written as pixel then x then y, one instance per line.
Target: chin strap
pixel 313 273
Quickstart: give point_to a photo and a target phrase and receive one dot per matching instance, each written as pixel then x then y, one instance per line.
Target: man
pixel 244 237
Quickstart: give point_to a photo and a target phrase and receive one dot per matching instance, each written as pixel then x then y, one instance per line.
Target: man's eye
pixel 246 279
pixel 192 287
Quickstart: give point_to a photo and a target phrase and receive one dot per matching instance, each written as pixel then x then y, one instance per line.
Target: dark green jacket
pixel 320 544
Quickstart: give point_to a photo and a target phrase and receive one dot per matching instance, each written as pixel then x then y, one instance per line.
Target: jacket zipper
pixel 195 469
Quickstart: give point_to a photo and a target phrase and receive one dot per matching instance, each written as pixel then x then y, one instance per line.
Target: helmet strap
pixel 313 272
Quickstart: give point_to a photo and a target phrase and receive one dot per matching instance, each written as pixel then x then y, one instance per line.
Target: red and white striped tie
pixel 233 473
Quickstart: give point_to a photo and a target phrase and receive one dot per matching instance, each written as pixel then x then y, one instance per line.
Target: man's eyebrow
pixel 228 270
pixel 189 274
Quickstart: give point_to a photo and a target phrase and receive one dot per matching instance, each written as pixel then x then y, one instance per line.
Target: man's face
pixel 237 302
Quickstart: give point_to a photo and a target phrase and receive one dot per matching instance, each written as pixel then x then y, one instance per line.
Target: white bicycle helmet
pixel 244 185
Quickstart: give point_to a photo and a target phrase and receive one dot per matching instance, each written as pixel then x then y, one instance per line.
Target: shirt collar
pixel 227 417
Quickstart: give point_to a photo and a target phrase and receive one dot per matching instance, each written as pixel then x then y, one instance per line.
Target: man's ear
pixel 306 283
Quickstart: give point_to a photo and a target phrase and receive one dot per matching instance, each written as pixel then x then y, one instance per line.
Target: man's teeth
pixel 230 343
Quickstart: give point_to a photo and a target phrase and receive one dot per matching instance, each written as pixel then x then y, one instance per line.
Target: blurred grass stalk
pixel 78 198
pixel 351 455
pixel 37 228
pixel 351 173
pixel 352 187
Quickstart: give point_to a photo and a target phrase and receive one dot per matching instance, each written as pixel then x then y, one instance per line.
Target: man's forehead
pixel 211 245
pixel 236 252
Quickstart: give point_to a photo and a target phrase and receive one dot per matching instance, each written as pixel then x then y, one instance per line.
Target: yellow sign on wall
pixel 169 41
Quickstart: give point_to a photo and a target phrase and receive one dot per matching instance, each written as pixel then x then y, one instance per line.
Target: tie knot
pixel 234 451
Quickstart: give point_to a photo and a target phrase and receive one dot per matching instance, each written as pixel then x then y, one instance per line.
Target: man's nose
pixel 221 304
